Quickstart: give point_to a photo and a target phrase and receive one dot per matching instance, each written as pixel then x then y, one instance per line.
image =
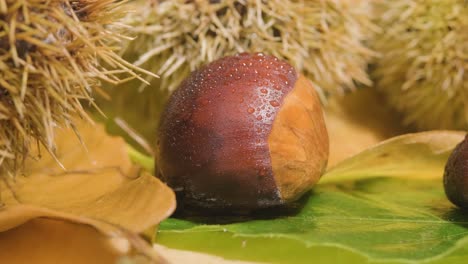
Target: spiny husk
pixel 424 64
pixel 51 57
pixel 323 39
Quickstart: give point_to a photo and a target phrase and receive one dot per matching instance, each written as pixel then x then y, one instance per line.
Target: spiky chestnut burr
pixel 242 133
pixel 53 53
pixel 423 69
pixel 323 39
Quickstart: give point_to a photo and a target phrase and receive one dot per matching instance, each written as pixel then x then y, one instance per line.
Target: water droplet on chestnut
pixel 274 103
pixel 240 160
pixel 456 175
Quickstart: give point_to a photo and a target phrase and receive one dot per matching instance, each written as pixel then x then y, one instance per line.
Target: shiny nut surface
pixel 243 132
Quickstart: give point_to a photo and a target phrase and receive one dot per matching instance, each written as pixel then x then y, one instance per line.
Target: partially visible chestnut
pixel 242 133
pixel 456 175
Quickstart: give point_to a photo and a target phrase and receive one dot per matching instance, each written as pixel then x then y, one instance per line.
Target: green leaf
pixel 386 204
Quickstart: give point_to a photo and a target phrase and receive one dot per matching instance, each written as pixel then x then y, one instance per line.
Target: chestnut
pixel 244 132
pixel 456 175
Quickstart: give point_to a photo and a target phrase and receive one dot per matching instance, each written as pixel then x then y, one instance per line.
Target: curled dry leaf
pixel 399 156
pixel 99 182
pixel 69 238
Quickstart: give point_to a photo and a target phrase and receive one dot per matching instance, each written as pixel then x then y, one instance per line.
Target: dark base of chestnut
pixel 193 211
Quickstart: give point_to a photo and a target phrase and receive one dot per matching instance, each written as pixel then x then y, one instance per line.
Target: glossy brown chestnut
pixel 456 175
pixel 244 132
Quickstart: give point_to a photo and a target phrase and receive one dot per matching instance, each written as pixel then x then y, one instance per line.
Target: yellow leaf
pixel 31 234
pixel 397 157
pixel 99 182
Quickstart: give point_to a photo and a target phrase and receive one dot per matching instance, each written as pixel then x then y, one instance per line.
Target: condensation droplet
pixel 250 110
pixel 274 103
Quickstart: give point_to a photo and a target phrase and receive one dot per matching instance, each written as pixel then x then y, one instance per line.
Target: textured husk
pixel 325 40
pixel 423 69
pixel 53 55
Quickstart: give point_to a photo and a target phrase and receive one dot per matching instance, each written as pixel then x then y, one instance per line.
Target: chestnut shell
pixel 456 175
pixel 213 147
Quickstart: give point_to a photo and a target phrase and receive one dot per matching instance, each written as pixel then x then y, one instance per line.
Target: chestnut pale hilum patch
pixel 298 142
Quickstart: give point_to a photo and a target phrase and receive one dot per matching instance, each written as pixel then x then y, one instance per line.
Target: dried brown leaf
pixel 33 234
pixel 99 182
